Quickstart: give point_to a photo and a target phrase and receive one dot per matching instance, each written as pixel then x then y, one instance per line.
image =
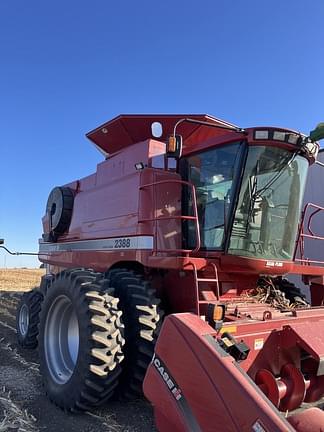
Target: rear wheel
pixel 27 318
pixel 142 317
pixel 80 340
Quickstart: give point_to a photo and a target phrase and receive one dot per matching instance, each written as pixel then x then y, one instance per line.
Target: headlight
pixel 276 135
pixel 261 134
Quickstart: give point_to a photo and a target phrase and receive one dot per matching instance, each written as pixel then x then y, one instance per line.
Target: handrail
pixel 181 217
pixel 300 244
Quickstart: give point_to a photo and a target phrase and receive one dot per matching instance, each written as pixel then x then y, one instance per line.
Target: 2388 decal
pixel 122 243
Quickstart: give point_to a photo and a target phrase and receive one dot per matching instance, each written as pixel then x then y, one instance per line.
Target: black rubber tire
pixel 31 302
pixel 97 368
pixel 45 282
pixel 142 317
pixel 59 209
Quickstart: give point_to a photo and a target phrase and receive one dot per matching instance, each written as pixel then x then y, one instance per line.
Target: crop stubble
pixel 23 405
pixel 19 279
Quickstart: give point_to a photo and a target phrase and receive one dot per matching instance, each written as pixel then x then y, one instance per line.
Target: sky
pixel 68 66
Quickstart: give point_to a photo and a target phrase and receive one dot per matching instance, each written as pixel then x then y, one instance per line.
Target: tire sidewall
pixel 22 338
pixel 71 389
pixel 31 300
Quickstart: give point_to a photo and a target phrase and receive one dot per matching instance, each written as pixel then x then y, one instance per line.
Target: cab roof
pixel 127 129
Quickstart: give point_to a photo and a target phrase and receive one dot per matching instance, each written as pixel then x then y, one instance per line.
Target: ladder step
pixel 206 301
pixel 206 280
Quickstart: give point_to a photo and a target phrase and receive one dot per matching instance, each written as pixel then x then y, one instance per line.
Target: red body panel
pixel 125 130
pixel 129 213
pixel 216 393
pixel 114 202
pixel 220 395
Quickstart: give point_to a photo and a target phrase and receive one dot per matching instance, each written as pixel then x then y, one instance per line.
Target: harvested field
pixel 23 404
pixel 20 279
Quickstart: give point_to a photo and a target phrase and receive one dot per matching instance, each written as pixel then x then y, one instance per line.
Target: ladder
pixel 208 296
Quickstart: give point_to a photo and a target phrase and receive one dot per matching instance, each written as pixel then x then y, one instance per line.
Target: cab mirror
pixel 1 241
pixel 174 146
pixel 318 133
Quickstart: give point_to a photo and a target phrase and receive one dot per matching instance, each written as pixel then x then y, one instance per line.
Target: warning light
pixel 215 315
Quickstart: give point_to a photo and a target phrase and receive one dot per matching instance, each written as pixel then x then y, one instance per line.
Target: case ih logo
pixel 176 392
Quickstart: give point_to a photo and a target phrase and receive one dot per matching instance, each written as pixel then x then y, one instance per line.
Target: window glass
pixel 268 210
pixel 213 174
pixel 158 161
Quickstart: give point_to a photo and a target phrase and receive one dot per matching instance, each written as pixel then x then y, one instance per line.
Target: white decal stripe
pixel 117 243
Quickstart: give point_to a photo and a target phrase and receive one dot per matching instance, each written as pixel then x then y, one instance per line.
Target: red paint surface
pixel 220 394
pixel 115 201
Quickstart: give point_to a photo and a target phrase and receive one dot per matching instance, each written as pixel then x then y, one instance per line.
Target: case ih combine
pixel 193 222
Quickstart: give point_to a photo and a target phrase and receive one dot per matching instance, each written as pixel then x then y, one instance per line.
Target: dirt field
pixel 23 404
pixel 19 279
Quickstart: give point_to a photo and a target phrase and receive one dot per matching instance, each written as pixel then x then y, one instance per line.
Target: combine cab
pixel 170 263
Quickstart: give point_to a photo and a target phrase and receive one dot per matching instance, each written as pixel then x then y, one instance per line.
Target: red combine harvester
pixel 195 221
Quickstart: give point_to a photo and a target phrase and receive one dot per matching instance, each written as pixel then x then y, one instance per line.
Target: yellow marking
pixel 228 329
pixel 258 344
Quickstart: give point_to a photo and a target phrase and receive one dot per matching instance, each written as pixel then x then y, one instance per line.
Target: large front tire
pixel 142 317
pixel 80 340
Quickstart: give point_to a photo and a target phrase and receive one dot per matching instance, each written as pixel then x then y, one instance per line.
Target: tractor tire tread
pixel 97 374
pixel 142 319
pixel 33 300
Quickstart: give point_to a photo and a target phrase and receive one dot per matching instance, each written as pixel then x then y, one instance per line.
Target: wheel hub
pixel 23 320
pixel 61 339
